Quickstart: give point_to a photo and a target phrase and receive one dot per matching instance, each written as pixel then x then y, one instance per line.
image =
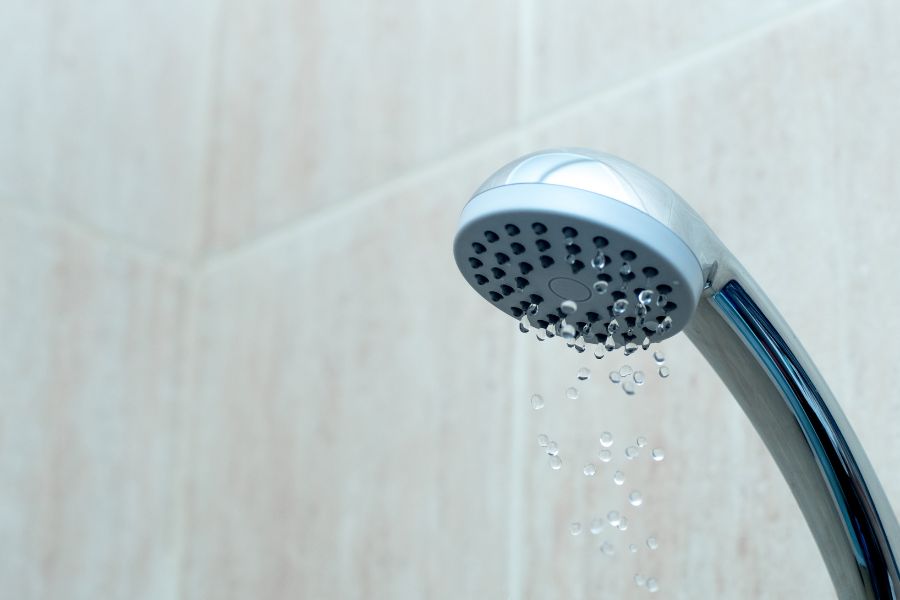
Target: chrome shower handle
pixel 746 341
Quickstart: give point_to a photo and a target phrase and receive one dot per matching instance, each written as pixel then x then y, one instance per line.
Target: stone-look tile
pixel 104 115
pixel 582 47
pixel 351 422
pixel 320 100
pixel 89 384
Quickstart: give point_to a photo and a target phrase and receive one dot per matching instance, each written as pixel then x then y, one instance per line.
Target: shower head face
pixel 540 232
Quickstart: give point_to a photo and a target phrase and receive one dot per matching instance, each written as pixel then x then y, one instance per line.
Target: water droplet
pixel 659 357
pixel 626 370
pixel 619 478
pixel 541 335
pixel 599 351
pixel 641 441
pixel 625 270
pixel 567 332
pixel 635 498
pixel 606 439
pixel 614 376
pixel 657 454
pixel 664 371
pixel 552 448
pixel 620 306
pixel 628 387
pixel 664 325
pixel 600 287
pixel 543 440
pixel 607 548
pixel 640 580
pixel 555 463
pixel 623 524
pixel 586 330
pixel 639 377
pixel 605 455
pixel 610 344
pixel 645 297
pixel 652 586
pixel 569 240
pixel 575 528
pixel 652 543
pixel 571 258
pixel 550 330
pixel 524 325
pixel 568 307
pixel 599 261
pixel 583 374
pixel 572 393
pixel 590 470
pixel 613 517
pixel 630 348
pixel 578 344
pixel 646 343
pixel 631 452
pixel 612 327
pixel 597 526
pixel 661 300
pixel 632 548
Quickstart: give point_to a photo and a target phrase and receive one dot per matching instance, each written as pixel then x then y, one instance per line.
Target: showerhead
pixel 574 225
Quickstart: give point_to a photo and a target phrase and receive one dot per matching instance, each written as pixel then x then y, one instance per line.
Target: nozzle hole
pixel 480 279
pixel 628 255
pixel 517 248
pixel 495 296
pixel 664 289
pixel 539 228
pixel 601 242
pixel 507 290
pixel 546 261
pixel 490 236
pixel 502 259
pixel 512 229
pixel 650 272
pixel 542 245
pixel 478 248
pixel 475 263
pixel 525 268
pixel 569 232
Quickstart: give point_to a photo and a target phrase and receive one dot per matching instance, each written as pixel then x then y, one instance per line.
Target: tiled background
pixel 236 360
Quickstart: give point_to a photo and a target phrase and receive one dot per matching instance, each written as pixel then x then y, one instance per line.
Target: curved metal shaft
pixel 757 356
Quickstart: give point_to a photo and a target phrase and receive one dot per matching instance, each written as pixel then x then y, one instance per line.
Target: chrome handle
pixel 773 379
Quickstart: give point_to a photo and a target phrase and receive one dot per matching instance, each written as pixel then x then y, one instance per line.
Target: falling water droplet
pixel 543 440
pixel 632 548
pixel 555 463
pixel 664 371
pixel 583 374
pixel 578 344
pixel 614 376
pixel 625 270
pixel 630 348
pixel 552 448
pixel 597 526
pixel 590 470
pixel 607 548
pixel 610 343
pixel 640 580
pixel 532 309
pixel 657 454
pixel 600 287
pixel 639 377
pixel 641 441
pixel 626 370
pixel 599 351
pixel 606 439
pixel 567 332
pixel 613 517
pixel 659 357
pixel 661 300
pixel 537 402
pixel 652 586
pixel 612 327
pixel 645 297
pixel 631 452
pixel 635 498
pixel 575 528
pixel 599 261
pixel 652 543
pixel 572 393
pixel 524 325
pixel 605 455
pixel 568 307
pixel 623 524
pixel 628 387
pixel 619 478
pixel 571 258
pixel 620 306
pixel 646 343
pixel 541 335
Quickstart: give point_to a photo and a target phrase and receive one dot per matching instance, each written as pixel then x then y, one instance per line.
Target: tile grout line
pixel 523 127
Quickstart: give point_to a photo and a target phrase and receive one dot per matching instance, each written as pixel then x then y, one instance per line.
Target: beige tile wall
pixel 237 360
